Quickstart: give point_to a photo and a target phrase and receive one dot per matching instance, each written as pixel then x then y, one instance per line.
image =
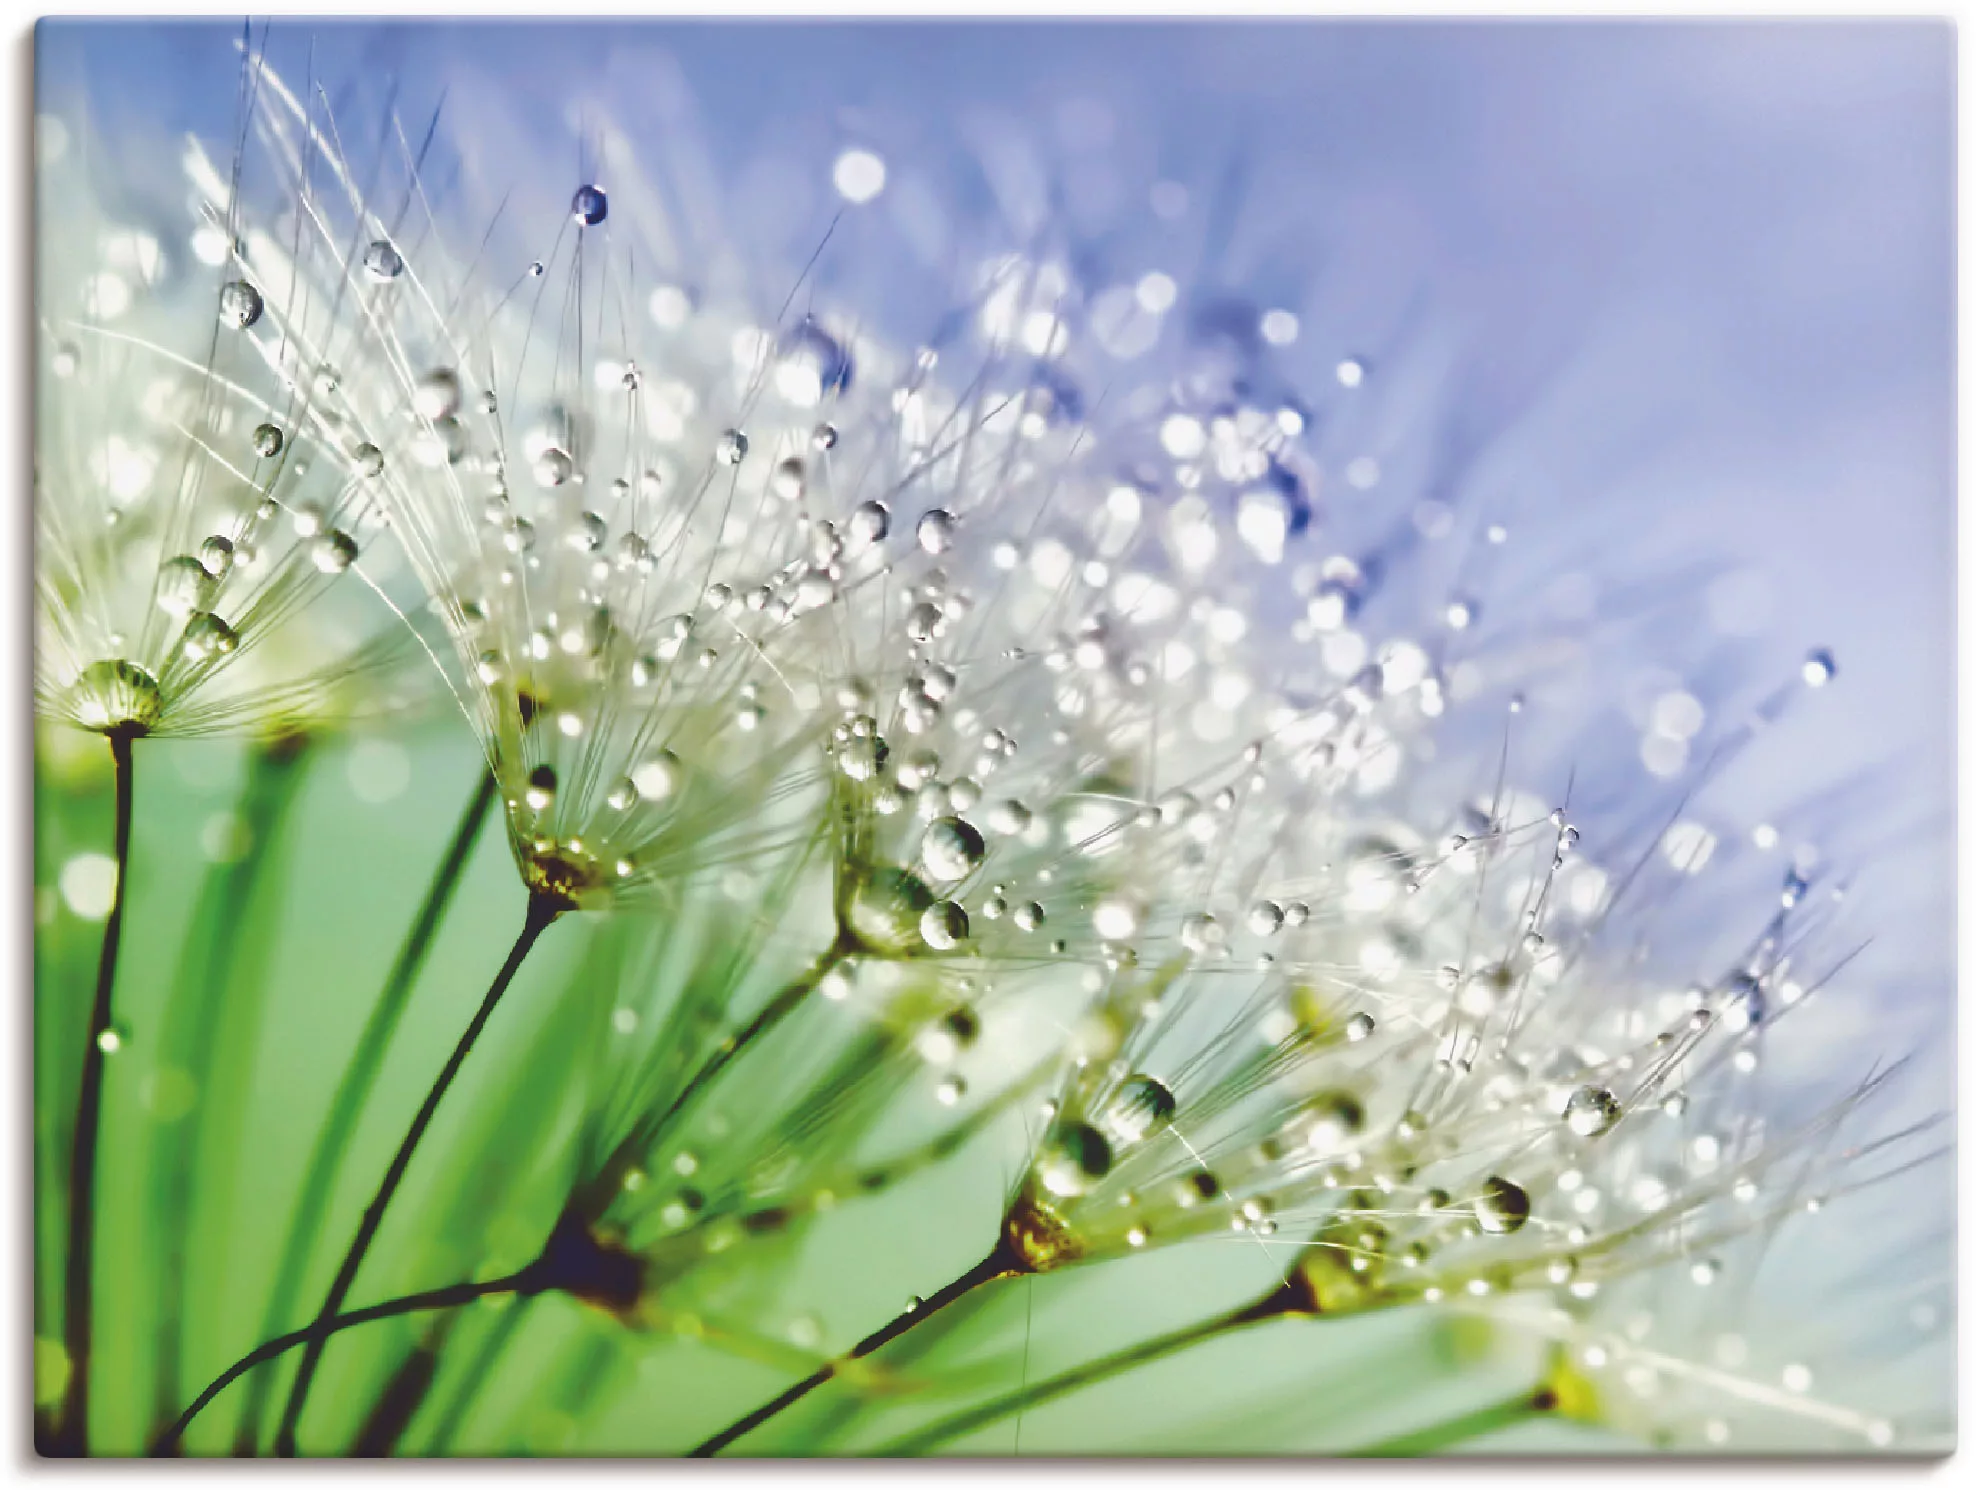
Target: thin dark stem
pixel 353 1090
pixel 451 1296
pixel 541 912
pixel 767 1018
pixel 1000 1263
pixel 71 1437
pixel 1273 1305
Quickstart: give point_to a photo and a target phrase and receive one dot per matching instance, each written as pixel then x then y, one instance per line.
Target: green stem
pixel 541 912
pixel 1001 1263
pixel 473 1379
pixel 70 1437
pixel 1439 1437
pixel 353 1091
pixel 1272 1306
pixel 188 1041
pixel 449 1297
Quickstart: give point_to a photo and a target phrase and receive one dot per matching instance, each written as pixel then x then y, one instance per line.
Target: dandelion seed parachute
pixel 1109 736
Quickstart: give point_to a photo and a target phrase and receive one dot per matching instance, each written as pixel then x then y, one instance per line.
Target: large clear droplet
pixel 936 531
pixel 951 849
pixel 333 552
pixel 240 304
pixel 658 777
pixel 588 206
pixel 1591 1111
pixel 1075 1157
pixel 944 925
pixel 1502 1207
pixel 115 694
pixel 207 636
pixel 1141 1105
pixel 184 586
pixel 884 911
pixel 267 440
pixel 382 261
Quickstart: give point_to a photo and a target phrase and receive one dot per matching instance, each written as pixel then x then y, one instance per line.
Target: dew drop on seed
pixel 207 636
pixel 1591 1111
pixel 1116 919
pixel 333 552
pixel 869 522
pixel 437 395
pixel 184 586
pixel 240 304
pixel 542 788
pixel 267 441
pixel 951 849
pixel 732 447
pixel 552 467
pixel 382 261
pixel 113 693
pixel 1334 1120
pixel 369 460
pixel 944 925
pixel 1819 669
pixel 884 910
pixel 1264 918
pixel 216 555
pixel 658 777
pixel 1140 1106
pixel 588 206
pixel 1074 1158
pixel 1502 1207
pixel 936 531
pixel 1202 933
pixel 823 437
pixel 1360 1026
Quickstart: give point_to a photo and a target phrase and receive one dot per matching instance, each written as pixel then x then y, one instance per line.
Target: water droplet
pixel 944 925
pixel 240 304
pixel 1141 1105
pixel 542 788
pixel 823 437
pixel 1202 933
pixel 216 555
pixel 951 849
pixel 553 467
pixel 333 552
pixel 184 586
pixel 1116 919
pixel 1819 669
pixel 267 441
pixel 382 261
pixel 369 460
pixel 884 911
pixel 207 636
pixel 1360 1026
pixel 1264 918
pixel 1502 1207
pixel 732 447
pixel 588 206
pixel 936 531
pixel 437 395
pixel 114 694
pixel 659 777
pixel 1334 1120
pixel 1591 1111
pixel 1075 1157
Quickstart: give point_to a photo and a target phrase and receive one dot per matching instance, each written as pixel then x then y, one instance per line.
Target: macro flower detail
pixel 1127 710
